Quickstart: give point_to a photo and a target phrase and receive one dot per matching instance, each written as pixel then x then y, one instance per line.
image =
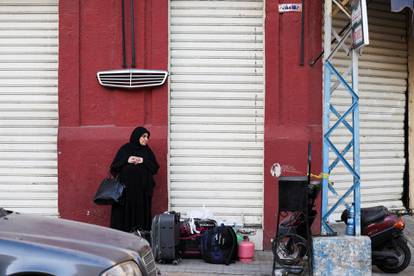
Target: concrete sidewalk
pixel 262 264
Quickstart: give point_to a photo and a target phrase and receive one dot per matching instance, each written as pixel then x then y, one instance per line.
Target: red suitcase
pixel 190 242
pixel 190 246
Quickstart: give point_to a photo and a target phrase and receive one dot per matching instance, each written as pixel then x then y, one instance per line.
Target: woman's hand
pixel 135 160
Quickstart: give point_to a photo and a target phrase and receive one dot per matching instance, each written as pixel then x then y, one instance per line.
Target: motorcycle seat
pixel 372 214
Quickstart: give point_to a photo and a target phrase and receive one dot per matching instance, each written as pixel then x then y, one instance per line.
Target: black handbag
pixel 109 192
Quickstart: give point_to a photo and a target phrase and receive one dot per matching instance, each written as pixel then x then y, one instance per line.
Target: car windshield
pixel 4 212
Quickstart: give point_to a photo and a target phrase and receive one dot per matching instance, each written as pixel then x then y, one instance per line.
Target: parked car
pixel 36 245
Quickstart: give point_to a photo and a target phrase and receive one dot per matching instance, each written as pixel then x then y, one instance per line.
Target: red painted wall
pixel 293 104
pixel 95 121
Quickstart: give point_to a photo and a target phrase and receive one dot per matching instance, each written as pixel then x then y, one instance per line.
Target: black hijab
pixel 134 148
pixel 135 135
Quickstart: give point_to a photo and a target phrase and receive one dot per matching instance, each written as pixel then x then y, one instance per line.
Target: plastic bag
pixel 202 213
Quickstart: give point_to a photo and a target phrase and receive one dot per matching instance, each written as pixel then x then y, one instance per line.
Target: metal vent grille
pixel 132 78
pixel 149 261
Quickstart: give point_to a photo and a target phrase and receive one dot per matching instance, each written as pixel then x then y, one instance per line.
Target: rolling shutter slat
pixel 28 106
pixel 216 109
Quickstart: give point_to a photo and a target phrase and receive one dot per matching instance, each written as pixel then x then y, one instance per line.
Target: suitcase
pixel 204 224
pixel 190 242
pixel 201 225
pixel 165 235
pixel 190 246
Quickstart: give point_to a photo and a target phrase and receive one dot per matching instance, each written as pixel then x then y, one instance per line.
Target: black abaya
pixel 135 212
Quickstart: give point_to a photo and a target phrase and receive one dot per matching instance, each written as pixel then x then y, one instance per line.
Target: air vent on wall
pixel 132 78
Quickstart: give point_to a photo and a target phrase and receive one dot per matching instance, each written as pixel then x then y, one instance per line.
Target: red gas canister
pixel 246 250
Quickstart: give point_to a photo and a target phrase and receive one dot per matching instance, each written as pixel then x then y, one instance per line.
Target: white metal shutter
pixel 382 90
pixel 216 109
pixel 28 105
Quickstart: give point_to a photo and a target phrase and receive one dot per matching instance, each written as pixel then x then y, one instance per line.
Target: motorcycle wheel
pixel 400 247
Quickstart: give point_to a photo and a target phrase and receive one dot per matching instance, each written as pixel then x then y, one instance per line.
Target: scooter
pixel 390 252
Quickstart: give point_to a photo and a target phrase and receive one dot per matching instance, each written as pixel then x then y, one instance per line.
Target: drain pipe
pixel 124 65
pixel 132 34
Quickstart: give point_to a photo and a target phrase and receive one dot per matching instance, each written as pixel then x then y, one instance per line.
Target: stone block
pixel 342 255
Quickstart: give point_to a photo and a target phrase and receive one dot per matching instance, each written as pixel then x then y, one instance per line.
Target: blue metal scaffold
pixel 348 119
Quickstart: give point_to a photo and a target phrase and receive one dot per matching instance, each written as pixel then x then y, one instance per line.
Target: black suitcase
pixel 165 235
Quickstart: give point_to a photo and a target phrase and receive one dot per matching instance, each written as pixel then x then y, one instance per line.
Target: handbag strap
pixel 109 175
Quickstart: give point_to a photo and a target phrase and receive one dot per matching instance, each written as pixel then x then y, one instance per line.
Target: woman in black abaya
pixel 135 164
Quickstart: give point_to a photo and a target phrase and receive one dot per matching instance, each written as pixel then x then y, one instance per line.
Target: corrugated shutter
pixel 216 108
pixel 28 105
pixel 382 89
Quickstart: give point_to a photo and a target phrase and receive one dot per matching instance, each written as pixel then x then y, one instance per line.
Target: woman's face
pixel 143 140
